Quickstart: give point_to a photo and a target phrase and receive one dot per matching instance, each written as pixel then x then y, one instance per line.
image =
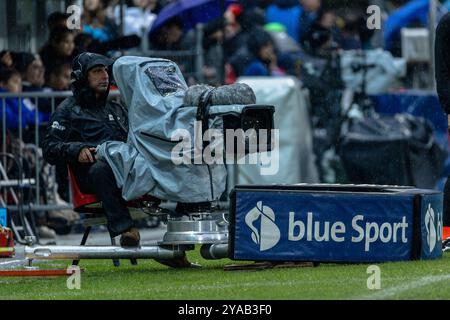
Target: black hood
pixel 82 63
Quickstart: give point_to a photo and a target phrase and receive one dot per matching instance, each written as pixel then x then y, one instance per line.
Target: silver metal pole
pixel 61 94
pixel 53 104
pixel 36 135
pixel 20 130
pixel 214 251
pixel 41 207
pixel 3 27
pixel 100 252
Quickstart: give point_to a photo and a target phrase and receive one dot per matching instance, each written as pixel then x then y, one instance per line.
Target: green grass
pixel 150 280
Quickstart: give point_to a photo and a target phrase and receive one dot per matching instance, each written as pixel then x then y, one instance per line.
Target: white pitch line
pixel 13 262
pixel 390 292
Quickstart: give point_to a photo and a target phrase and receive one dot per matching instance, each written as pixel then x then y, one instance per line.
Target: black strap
pixel 203 111
pixel 203 104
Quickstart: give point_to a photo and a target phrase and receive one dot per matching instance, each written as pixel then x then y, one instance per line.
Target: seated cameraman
pixel 78 125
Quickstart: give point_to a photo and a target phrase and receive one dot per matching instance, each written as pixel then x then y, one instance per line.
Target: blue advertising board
pixel 275 225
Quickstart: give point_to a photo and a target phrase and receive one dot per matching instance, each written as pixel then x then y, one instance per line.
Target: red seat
pixel 88 203
pixel 83 201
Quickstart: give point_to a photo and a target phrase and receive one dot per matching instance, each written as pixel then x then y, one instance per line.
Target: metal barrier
pixel 33 147
pixel 190 61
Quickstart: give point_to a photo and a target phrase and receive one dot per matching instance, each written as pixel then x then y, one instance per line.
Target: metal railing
pixel 33 146
pixel 191 63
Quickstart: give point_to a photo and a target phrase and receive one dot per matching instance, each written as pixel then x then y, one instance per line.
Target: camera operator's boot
pixel 130 238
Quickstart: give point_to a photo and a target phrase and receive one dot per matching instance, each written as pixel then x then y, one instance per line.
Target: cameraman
pixel 82 122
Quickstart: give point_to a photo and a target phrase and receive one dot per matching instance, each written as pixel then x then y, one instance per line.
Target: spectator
pixel 239 24
pixel 168 37
pixel 96 23
pixel 6 59
pixel 31 69
pixel 355 34
pixel 11 81
pixel 57 20
pixel 233 30
pixel 288 13
pixel 309 14
pixel 59 77
pixel 212 46
pixel 289 52
pixel 58 50
pixel 110 9
pixel 32 72
pixel 327 19
pixel 86 43
pixel 261 46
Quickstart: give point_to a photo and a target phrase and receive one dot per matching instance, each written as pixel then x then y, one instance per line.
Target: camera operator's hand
pixel 86 155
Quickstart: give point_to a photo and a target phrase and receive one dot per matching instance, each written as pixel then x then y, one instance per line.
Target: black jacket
pixel 72 128
pixel 442 62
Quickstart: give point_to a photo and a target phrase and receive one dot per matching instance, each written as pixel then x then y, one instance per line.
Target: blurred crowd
pixel 300 38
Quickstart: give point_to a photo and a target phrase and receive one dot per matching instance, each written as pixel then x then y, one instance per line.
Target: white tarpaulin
pixel 296 160
pixel 153 90
pixel 383 70
pixel 160 155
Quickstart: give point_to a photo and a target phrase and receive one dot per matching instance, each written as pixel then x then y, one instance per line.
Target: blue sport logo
pixel 268 234
pixel 433 227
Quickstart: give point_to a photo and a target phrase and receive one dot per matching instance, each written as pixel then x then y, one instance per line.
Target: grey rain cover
pixel 153 90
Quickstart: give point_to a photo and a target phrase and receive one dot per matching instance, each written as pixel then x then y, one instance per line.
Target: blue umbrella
pixel 413 10
pixel 191 12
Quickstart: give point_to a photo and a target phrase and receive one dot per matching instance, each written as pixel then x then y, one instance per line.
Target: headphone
pixel 78 77
pixel 77 74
